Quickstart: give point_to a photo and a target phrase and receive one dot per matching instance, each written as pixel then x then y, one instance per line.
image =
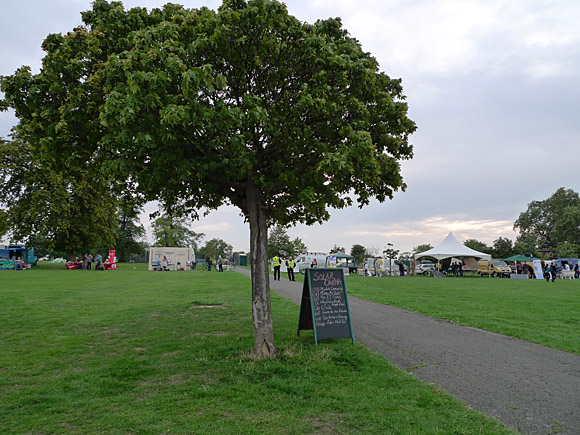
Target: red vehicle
pixel 74 265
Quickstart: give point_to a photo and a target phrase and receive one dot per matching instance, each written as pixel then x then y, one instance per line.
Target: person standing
pixel 89 261
pixel 99 260
pixel 158 260
pixel 553 272
pixel 290 265
pixel 576 271
pixel 376 266
pixel 401 269
pixel 84 261
pixel 276 263
pixel 547 273
pixel 220 264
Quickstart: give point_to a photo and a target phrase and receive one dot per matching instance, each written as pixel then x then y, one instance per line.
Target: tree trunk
pixel 261 307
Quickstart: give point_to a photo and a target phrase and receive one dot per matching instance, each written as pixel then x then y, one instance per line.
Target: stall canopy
pixel 520 258
pixel 451 247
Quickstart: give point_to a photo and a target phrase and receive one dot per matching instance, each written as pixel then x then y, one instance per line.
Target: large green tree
pixel 422 248
pixel 70 214
pixel 173 231
pixel 359 252
pixel 246 105
pixel 478 246
pixel 129 234
pixel 279 243
pixel 216 248
pixel 336 249
pixel 526 244
pixel 568 250
pixel 502 248
pixel 4 225
pixel 553 221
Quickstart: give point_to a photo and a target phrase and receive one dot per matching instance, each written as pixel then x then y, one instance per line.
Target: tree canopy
pixel 197 108
pixel 422 248
pixel 129 234
pixel 335 249
pixel 553 221
pixel 173 231
pixel 359 252
pixel 477 245
pixel 279 243
pixel 216 248
pixel 502 248
pixel 70 213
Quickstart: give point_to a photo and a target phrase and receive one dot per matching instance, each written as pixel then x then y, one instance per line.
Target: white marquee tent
pixel 451 247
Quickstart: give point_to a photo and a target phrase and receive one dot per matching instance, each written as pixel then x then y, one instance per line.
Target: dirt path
pixel 531 388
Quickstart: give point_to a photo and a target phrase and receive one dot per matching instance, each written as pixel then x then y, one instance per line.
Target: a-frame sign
pixel 324 305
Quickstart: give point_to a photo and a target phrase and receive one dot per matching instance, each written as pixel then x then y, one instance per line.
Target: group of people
pixel 88 260
pixel 550 271
pixel 457 269
pixel 19 264
pixel 163 263
pixel 377 268
pixel 220 263
pixel 290 265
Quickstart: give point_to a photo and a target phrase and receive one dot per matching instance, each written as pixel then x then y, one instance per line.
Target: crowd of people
pixel 551 271
pixel 219 265
pixel 86 262
pixel 377 271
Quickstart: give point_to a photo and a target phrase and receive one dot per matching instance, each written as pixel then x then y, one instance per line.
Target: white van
pixel 177 258
pixel 304 261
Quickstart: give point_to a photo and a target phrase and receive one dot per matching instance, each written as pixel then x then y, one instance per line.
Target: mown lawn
pixel 133 351
pixel 533 310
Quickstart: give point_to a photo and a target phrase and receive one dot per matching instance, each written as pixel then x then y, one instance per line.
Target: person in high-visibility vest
pixel 291 264
pixel 276 263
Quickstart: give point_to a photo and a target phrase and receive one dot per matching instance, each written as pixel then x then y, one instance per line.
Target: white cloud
pixel 457 37
pixel 493 85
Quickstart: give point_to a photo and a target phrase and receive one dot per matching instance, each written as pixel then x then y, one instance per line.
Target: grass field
pixel 533 310
pixel 133 351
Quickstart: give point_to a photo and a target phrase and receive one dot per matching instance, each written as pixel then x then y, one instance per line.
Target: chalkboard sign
pixel 324 305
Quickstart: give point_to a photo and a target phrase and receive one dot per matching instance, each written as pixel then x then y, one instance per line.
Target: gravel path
pixel 531 388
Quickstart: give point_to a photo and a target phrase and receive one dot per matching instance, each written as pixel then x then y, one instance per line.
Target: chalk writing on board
pixel 324 297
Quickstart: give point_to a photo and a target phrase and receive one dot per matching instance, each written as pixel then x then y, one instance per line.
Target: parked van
pixel 493 268
pixel 304 261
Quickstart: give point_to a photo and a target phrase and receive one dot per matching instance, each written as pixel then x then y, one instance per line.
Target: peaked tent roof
pixel 451 247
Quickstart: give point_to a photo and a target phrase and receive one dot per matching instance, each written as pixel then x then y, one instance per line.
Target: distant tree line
pixel 548 226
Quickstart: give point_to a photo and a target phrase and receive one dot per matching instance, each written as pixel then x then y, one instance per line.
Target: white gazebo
pixel 451 247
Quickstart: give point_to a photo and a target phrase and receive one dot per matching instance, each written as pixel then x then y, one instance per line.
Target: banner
pixel 538 269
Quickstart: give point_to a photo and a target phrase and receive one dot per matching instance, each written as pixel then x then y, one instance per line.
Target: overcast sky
pixel 493 85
